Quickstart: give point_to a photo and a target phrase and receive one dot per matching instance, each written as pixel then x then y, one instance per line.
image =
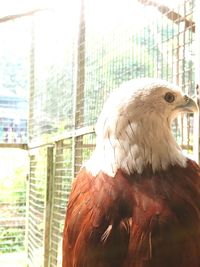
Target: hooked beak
pixel 188 106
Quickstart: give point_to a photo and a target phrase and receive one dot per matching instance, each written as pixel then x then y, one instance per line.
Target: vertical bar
pixel 196 133
pixel 177 59
pixel 32 80
pixel 80 72
pixel 30 131
pixel 27 211
pixel 79 90
pixel 78 154
pixel 48 205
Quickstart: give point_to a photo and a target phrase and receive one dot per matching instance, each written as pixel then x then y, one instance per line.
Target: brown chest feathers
pixel 141 220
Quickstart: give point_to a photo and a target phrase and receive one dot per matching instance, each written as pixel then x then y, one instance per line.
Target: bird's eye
pixel 169 97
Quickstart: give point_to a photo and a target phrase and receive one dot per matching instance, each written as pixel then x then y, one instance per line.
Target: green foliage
pixel 13 185
pixel 14 166
pixel 11 239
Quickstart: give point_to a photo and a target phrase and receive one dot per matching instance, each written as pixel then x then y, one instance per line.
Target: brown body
pixel 140 220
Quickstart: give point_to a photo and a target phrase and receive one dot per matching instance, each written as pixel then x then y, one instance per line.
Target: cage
pixel 111 42
pixel 79 52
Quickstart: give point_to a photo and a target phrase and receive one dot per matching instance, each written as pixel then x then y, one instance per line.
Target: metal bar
pixel 27 213
pixel 79 94
pixel 72 134
pixel 21 146
pixel 48 204
pixel 170 14
pixel 32 79
pixel 20 15
pixel 35 145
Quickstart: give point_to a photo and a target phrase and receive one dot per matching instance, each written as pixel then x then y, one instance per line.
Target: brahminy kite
pixel 136 201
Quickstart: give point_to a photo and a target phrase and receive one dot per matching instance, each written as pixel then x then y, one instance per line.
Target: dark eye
pixel 169 97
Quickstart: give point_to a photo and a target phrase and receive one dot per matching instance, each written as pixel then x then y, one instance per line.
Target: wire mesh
pixel 36 206
pixel 61 189
pixel 51 112
pixel 14 169
pixel 136 41
pixel 62 186
pixel 141 38
pixel 84 145
pixel 117 41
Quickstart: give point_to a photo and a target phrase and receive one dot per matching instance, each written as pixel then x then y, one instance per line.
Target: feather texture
pixel 150 219
pixel 133 129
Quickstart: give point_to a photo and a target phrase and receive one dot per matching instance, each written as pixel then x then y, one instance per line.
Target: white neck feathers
pixel 132 146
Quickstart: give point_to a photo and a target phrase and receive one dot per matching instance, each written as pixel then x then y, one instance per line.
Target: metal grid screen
pixel 52 70
pixel 77 60
pixel 61 190
pixel 36 206
pixel 14 169
pixel 135 41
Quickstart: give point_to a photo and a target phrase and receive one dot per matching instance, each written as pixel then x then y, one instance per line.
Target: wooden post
pixel 48 205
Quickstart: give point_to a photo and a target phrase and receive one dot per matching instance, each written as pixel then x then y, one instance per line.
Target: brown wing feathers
pixel 147 220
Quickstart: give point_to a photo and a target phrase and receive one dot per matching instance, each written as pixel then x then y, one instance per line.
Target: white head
pixel 133 130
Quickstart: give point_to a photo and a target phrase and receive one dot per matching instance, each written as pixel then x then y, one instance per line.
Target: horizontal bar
pixel 21 146
pixel 75 133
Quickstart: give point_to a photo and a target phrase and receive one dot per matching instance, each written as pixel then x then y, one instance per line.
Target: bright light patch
pixel 108 7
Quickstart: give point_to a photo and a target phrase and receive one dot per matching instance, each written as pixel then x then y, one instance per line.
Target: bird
pixel 136 201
